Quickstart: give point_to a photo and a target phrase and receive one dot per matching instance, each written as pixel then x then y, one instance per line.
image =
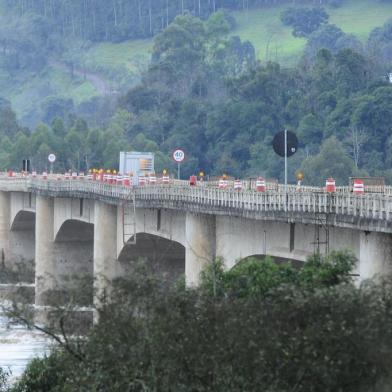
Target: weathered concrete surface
pixel 163 257
pixel 45 266
pixel 375 255
pixel 238 238
pixel 21 201
pixel 85 237
pixel 164 223
pixel 200 245
pixel 61 262
pixel 105 246
pixel 4 229
pixel 72 209
pixel 22 246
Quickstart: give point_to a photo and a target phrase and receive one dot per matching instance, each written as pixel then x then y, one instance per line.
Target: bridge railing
pixel 180 196
pixel 367 206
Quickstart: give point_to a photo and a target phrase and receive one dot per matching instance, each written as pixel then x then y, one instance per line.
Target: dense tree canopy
pixel 117 20
pixel 304 20
pixel 206 92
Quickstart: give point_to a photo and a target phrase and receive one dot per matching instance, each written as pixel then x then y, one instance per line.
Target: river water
pixel 18 345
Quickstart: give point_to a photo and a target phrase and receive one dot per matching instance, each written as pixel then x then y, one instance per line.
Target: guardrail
pixel 180 195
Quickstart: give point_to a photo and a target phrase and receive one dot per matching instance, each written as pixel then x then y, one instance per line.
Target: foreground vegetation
pixel 258 327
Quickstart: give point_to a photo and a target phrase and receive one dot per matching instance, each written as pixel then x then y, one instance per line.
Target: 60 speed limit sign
pixel 178 155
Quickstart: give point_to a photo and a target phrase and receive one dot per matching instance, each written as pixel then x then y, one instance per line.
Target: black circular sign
pixel 292 143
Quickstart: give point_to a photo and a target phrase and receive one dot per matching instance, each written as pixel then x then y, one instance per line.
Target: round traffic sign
pixel 178 155
pixel 51 158
pixel 292 143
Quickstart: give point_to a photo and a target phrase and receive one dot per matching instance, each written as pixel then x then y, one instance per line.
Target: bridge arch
pixel 21 258
pixel 164 257
pixel 73 253
pixel 277 260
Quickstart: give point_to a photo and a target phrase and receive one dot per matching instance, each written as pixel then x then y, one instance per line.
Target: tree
pixel 329 37
pixel 304 20
pixel 332 161
pixel 357 138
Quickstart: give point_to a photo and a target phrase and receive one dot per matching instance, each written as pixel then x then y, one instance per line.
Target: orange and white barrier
pixel 192 180
pixel 74 175
pixel 126 181
pixel 330 185
pixel 142 181
pixel 358 187
pixel 153 180
pixel 222 184
pixel 165 179
pixel 81 176
pixel 45 175
pixel 119 179
pixel 237 185
pixel 260 185
pixel 34 174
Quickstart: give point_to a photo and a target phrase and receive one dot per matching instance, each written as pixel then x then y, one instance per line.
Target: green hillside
pixel 118 65
pixel 273 41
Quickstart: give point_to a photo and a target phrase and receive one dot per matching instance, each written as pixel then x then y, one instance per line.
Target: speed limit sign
pixel 51 158
pixel 178 155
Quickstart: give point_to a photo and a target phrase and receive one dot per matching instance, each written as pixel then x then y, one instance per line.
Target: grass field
pixel 273 41
pixel 131 54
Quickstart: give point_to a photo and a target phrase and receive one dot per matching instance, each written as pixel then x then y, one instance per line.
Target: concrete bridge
pixel 79 228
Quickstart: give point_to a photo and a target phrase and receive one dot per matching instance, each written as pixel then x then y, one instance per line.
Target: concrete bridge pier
pixel 64 259
pixel 105 247
pixel 4 229
pixel 375 254
pixel 200 245
pixel 45 271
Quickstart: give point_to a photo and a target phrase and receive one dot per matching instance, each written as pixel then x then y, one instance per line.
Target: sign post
pixel 285 144
pixel 51 159
pixel 178 156
pixel 285 160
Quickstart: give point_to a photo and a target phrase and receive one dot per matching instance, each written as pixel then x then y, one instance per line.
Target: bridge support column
pixel 375 255
pixel 45 277
pixel 4 229
pixel 200 245
pixel 105 246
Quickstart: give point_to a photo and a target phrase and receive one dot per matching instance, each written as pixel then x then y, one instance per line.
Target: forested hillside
pixel 80 55
pixel 204 90
pixel 118 20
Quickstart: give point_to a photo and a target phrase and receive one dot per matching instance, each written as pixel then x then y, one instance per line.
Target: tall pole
pixel 285 160
pixel 178 170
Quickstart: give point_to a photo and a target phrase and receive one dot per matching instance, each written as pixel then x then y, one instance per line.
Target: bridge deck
pixel 370 211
